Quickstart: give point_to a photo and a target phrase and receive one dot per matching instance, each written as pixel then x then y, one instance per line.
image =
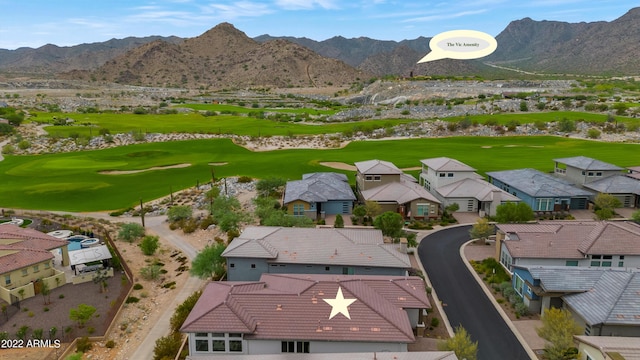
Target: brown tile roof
pixel 283 306
pixel 571 239
pixel 330 246
pixel 23 247
pixel 377 167
pixel 400 192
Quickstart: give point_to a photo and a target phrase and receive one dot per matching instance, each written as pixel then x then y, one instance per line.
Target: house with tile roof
pixel 453 182
pixel 597 244
pixel 604 302
pixel 412 355
pixel 542 192
pixel 26 262
pixel 266 249
pixel 319 194
pixel 285 313
pixel 582 170
pixel 601 178
pixel 607 347
pixel 384 183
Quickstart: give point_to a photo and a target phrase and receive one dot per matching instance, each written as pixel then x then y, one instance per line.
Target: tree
pixel 82 314
pixel 359 211
pixel 130 232
pixel 101 278
pixel 182 311
pixel 636 216
pixel 149 245
pixel 481 229
pixel 181 212
pixel 270 186
pixel 373 208
pixel 227 212
pixel 390 223
pixel 339 222
pixel 567 126
pixel 167 347
pixel 513 212
pixel 209 263
pixel 45 290
pixel 605 205
pixel 558 328
pixel 460 344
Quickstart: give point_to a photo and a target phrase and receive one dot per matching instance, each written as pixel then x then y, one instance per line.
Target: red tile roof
pixel 283 306
pixel 25 247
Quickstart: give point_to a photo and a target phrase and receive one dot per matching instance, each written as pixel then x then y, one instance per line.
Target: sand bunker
pixel 218 164
pixel 339 165
pixel 126 172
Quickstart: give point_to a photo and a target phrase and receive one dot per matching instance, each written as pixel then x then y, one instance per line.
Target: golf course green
pixel 78 182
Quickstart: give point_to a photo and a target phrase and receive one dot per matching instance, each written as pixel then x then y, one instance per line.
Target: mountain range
pixel 225 57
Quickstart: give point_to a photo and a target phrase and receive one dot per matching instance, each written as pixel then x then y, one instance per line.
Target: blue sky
pixel 34 23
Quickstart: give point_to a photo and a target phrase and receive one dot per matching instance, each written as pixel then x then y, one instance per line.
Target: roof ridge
pixel 385 303
pixel 593 236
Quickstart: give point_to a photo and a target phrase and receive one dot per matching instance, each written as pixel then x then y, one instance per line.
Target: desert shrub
pixel 110 344
pixel 151 272
pixel 245 179
pixel 137 286
pixel 435 322
pixel 83 345
pixel 132 300
pixel 521 309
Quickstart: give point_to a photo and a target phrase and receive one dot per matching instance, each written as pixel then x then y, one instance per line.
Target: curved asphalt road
pixel 462 297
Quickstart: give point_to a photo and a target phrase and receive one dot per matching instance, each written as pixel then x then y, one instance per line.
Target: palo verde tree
pixel 130 232
pixel 82 314
pixel 558 328
pixel 482 229
pixel 460 344
pixel 605 205
pixel 511 212
pixel 390 223
pixel 209 263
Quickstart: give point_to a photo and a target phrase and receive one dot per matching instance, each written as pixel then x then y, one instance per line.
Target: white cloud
pixel 306 4
pixel 237 9
pixel 438 17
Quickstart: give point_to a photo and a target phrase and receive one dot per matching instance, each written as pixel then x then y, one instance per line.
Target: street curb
pixel 488 293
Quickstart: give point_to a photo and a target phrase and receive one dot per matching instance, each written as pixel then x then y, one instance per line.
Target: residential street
pixel 462 297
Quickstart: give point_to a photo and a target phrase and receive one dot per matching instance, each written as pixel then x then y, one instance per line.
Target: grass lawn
pixel 89 124
pixel 72 181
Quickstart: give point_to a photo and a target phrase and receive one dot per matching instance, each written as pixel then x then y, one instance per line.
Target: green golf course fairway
pixel 74 182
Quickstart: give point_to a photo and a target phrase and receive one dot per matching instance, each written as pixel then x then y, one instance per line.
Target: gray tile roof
pixel 538 184
pixel 617 184
pixel 586 163
pixel 291 307
pixel 319 187
pixel 474 188
pixel 377 167
pixel 400 192
pixel 446 164
pixel 563 278
pixel 613 299
pixel 324 246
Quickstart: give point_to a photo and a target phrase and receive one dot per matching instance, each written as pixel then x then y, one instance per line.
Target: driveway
pixel 463 299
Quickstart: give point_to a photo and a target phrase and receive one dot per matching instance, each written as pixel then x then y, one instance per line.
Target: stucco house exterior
pixel 598 244
pixel 542 192
pixel 284 313
pixel 319 194
pixel 604 302
pixel 582 170
pixel 453 182
pixel 607 347
pixel 384 183
pixel 348 251
pixel 26 262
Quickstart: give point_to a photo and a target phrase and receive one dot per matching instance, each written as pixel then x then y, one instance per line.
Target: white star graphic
pixel 339 305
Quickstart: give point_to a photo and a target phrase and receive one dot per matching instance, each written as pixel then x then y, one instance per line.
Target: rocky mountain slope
pixel 226 57
pixel 223 57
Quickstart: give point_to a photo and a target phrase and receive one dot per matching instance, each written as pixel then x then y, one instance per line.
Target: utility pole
pixel 141 212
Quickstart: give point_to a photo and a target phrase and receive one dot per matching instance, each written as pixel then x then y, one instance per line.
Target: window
pixel 595 263
pixel 518 283
pixel 253 266
pixel 327 268
pixel 598 174
pixel 46 265
pixel 217 342
pixel 590 173
pixel 571 263
pixel 620 263
pixel 606 263
pixel 36 268
pixel 7 279
pixel 441 174
pixel 295 347
pixel 544 204
pixel 231 265
pixel 423 209
pixel 368 178
pixel 298 209
pixel 25 272
pixel 377 178
pixel 449 174
pixel 348 271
